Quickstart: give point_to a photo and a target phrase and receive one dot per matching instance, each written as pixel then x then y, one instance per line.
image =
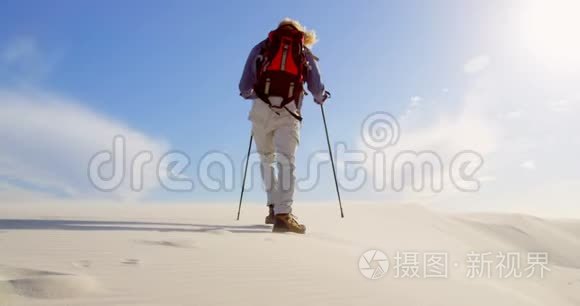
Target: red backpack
pixel 281 72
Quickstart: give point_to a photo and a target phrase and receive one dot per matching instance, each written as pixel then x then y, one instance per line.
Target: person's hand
pixel 249 95
pixel 325 97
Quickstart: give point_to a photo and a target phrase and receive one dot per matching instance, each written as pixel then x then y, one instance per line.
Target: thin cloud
pixel 513 114
pixel 48 140
pixel 528 165
pixel 487 178
pixel 477 64
pixel 20 49
pixel 24 61
pixel 446 133
pixel 562 105
pixel 415 101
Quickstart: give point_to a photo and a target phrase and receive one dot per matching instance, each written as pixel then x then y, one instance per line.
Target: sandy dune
pixel 198 255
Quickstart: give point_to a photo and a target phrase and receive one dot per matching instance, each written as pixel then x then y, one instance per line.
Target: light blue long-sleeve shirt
pixel 249 76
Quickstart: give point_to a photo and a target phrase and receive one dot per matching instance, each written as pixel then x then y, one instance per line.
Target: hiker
pixel 273 78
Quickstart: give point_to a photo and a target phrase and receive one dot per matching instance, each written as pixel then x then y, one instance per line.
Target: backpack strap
pixel 293 114
pixel 309 52
pixel 266 100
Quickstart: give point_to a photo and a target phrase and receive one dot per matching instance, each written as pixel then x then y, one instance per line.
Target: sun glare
pixel 551 31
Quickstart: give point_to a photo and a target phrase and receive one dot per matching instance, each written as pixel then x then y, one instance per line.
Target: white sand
pixel 198 255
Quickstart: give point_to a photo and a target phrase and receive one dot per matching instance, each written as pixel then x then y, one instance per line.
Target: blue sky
pixel 167 72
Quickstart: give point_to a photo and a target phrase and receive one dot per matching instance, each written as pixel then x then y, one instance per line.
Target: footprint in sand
pixel 131 261
pixel 44 284
pixel 82 264
pixel 169 243
pixel 219 231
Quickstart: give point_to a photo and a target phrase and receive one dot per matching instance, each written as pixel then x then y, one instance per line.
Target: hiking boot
pixel 270 218
pixel 287 223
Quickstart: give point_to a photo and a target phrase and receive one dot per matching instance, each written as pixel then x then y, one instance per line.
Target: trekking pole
pixel 332 161
pixel 244 179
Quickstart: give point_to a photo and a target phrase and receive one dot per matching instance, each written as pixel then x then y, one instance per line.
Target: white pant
pixel 277 137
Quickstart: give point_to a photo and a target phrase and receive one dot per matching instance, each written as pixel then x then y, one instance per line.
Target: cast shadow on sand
pixel 88 225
